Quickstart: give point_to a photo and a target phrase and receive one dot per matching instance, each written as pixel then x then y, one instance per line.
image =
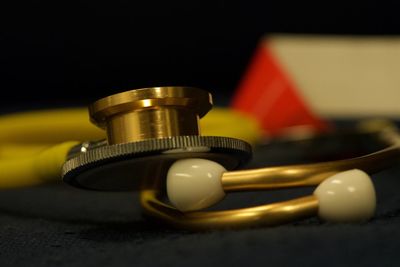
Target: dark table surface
pixel 57 225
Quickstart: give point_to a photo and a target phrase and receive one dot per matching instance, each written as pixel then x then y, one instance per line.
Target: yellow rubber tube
pixel 59 125
pixel 48 127
pixel 55 126
pixel 35 169
pixel 33 145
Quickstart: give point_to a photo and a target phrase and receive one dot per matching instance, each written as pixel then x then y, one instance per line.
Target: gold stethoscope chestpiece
pixel 147 130
pixel 153 140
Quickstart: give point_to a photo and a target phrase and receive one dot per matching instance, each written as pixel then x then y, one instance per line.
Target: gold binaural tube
pixel 305 174
pixel 266 215
pixel 269 178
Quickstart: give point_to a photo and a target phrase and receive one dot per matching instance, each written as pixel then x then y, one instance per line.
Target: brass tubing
pixel 263 215
pixel 269 178
pixel 305 174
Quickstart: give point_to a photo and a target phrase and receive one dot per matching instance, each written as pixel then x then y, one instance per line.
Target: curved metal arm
pixel 271 178
pixel 271 214
pixel 305 174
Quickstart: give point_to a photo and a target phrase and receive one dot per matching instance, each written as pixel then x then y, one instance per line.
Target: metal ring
pixel 127 166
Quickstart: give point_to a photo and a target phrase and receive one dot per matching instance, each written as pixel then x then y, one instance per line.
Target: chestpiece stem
pixel 147 113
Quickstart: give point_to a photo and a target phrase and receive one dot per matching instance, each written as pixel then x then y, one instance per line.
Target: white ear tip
pixel 194 184
pixel 347 196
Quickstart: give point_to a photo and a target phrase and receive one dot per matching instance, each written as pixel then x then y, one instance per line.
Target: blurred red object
pixel 268 94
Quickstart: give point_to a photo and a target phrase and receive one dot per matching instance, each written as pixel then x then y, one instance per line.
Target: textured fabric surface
pixel 57 225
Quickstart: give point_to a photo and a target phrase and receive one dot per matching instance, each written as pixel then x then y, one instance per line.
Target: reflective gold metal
pixel 307 174
pixel 156 112
pixel 271 178
pixel 147 130
pixel 264 215
pixel 161 112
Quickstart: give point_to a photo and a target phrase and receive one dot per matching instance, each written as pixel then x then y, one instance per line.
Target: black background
pixel 55 53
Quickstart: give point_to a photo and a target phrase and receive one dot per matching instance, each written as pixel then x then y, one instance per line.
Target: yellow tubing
pixel 48 127
pixel 32 170
pixel 11 150
pixel 231 123
pixel 25 138
pixel 59 125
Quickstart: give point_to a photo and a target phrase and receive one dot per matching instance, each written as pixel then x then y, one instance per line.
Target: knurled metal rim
pixel 239 149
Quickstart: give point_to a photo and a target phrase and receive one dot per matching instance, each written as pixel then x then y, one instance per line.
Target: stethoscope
pixel 154 145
